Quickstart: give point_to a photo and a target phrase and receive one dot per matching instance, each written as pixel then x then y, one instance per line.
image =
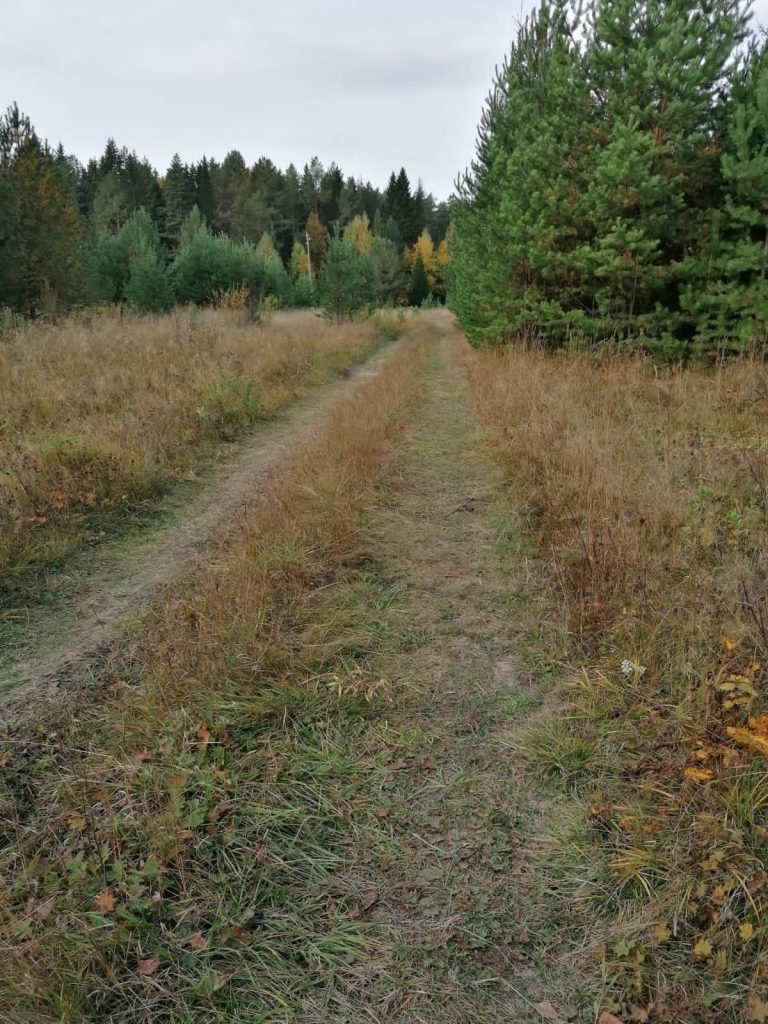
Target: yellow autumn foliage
pixel 359 233
pixel 754 736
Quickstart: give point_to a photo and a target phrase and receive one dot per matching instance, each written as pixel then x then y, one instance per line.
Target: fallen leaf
pixel 198 942
pixel 203 735
pixel 76 822
pixel 757 1010
pixel 748 738
pixel 141 756
pixel 697 774
pixel 148 966
pixel 746 931
pixel 105 901
pixel 703 948
pixel 608 1018
pixel 661 932
pixel 548 1012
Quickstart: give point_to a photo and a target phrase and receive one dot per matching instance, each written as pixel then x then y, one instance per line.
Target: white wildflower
pixel 631 668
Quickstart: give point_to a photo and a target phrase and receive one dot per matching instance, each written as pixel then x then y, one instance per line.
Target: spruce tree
pixel 347 283
pixel 419 288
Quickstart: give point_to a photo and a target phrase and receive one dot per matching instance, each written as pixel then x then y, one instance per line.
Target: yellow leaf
pixel 661 932
pixel 697 774
pixel 76 822
pixel 746 931
pixel 748 738
pixel 703 948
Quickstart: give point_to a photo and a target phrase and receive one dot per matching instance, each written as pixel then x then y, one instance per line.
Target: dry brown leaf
pixel 608 1018
pixel 757 1010
pixel 198 942
pixel 76 822
pixel 147 967
pixel 548 1012
pixel 105 901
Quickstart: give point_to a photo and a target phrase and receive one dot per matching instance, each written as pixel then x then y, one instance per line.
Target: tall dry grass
pixel 646 494
pixel 99 414
pixel 171 839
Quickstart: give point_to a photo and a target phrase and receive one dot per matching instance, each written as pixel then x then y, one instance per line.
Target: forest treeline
pixel 620 187
pixel 113 230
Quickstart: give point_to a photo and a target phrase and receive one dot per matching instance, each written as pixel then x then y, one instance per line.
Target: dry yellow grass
pixel 99 414
pixel 171 841
pixel 646 493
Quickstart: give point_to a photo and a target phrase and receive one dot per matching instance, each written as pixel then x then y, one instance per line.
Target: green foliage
pixel 303 292
pixel 596 205
pixel 41 234
pixel 70 232
pixel 206 263
pixel 113 256
pixel 347 283
pixel 389 270
pixel 419 289
pixel 148 288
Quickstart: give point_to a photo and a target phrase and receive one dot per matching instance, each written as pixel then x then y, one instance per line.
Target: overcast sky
pixel 372 86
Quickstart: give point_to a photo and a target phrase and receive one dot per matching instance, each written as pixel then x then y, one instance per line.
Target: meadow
pixel 102 413
pixel 510 599
pixel 638 503
pixel 172 831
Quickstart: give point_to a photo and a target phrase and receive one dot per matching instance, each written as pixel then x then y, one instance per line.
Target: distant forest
pixel 114 230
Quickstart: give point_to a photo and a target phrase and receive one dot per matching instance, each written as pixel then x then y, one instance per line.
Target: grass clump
pixel 644 492
pixel 172 835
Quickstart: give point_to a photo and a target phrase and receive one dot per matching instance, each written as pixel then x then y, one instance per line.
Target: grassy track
pixel 346 771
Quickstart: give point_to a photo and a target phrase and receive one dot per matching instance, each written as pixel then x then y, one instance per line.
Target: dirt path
pixel 458 884
pixel 121 577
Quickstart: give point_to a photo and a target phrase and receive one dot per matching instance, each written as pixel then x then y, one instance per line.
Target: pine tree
pixel 728 294
pixel 41 234
pixel 148 288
